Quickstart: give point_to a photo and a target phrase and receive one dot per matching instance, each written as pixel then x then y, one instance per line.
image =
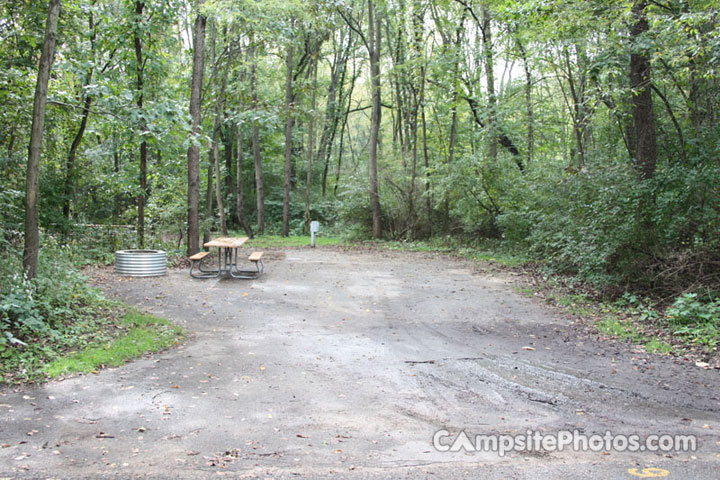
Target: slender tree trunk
pixel 259 188
pixel 640 81
pixel 117 204
pixel 528 101
pixel 70 180
pixel 211 158
pixel 226 138
pixel 374 39
pixel 193 155
pixel 311 145
pixel 218 188
pixel 337 78
pixel 426 156
pixel 417 92
pixel 327 145
pixel 289 121
pixel 219 109
pixel 140 68
pixel 489 64
pixel 240 207
pixel 343 129
pixel 208 197
pixel 456 46
pixel 32 231
pixel 70 163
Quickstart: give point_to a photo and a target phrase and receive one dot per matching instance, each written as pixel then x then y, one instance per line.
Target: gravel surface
pixel 338 364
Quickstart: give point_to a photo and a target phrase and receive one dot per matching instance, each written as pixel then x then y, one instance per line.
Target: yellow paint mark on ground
pixel 651 472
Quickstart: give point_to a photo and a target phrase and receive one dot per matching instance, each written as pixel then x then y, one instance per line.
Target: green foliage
pixel 584 223
pixel 143 333
pixel 50 303
pixel 696 319
pixel 689 309
pixel 655 345
pixel 354 210
pixel 292 241
pixel 613 326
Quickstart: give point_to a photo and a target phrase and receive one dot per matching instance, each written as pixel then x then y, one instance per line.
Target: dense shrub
pixel 56 303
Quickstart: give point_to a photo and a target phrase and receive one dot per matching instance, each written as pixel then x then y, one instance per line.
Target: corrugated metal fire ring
pixel 141 263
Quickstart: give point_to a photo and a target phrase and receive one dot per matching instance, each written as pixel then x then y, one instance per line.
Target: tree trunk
pixel 117 204
pixel 208 198
pixel 70 180
pixel 488 63
pixel 528 102
pixel 311 146
pixel 426 157
pixel 226 138
pixel 240 207
pixel 417 93
pixel 32 232
pixel 643 118
pixel 219 109
pixel 211 153
pixel 456 46
pixel 289 121
pixel 193 155
pixel 70 163
pixel 343 129
pixel 139 71
pixel 259 189
pixel 337 78
pixel 327 142
pixel 374 38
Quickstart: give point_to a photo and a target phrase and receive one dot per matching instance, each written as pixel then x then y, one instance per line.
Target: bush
pixel 689 309
pixel 57 306
pixel 696 319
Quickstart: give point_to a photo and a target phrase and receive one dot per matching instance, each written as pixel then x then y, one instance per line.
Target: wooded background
pixel 583 133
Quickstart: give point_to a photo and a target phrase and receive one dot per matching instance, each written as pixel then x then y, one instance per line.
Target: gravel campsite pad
pixel 345 364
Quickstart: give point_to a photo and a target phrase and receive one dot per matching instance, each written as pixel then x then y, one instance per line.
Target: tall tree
pixel 640 82
pixel 140 80
pixel 86 101
pixel 217 125
pixel 373 44
pixel 310 144
pixel 259 184
pixel 240 205
pixel 489 65
pixel 289 122
pixel 32 232
pixel 333 105
pixel 193 154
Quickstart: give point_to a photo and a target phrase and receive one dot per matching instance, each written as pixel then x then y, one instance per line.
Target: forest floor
pixel 339 363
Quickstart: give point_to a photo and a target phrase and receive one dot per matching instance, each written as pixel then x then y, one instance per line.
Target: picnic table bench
pixel 228 260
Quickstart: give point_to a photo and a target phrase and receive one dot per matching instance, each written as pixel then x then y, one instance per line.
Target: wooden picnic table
pixel 228 252
pixel 226 242
pixel 228 259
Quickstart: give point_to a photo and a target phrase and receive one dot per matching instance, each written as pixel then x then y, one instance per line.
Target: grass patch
pixel 655 345
pixel 613 326
pixel 500 258
pixel 142 333
pixel 443 245
pixel 626 319
pixel 524 290
pixel 297 241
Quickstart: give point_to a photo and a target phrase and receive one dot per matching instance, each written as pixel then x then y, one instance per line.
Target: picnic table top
pixel 226 242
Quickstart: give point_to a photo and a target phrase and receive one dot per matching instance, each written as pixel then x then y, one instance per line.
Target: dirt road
pixel 339 364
